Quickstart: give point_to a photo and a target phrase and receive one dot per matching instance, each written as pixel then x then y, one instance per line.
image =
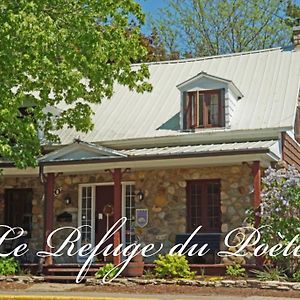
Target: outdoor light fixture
pixel 67 200
pixel 140 195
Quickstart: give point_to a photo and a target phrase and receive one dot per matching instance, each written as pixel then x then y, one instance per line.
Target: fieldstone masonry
pixel 165 199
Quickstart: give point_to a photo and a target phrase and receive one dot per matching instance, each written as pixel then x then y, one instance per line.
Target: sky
pixel 151 7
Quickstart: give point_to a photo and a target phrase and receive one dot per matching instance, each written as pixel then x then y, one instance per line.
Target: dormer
pixel 207 101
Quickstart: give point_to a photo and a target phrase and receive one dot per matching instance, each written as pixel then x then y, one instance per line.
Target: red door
pixel 104 212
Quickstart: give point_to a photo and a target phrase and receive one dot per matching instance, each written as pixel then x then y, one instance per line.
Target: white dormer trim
pixel 205 82
pixel 184 85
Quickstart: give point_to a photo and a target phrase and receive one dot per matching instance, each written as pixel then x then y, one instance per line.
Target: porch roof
pixel 81 152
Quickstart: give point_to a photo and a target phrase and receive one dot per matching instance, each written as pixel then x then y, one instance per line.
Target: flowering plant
pixel 280 212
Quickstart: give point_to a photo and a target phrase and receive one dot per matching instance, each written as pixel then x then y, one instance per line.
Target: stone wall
pixel 165 198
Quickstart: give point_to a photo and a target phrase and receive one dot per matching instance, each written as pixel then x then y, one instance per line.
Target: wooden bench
pixel 211 239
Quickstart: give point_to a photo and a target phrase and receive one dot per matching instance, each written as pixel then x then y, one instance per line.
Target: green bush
pixel 235 270
pixel 270 274
pixel 9 266
pixel 296 276
pixel 172 266
pixel 108 268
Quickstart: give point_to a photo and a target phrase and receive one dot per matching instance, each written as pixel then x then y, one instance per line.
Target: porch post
pixel 256 201
pixel 257 189
pixel 117 176
pixel 48 212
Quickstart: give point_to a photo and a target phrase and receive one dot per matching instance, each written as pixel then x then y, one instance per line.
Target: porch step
pixel 67 273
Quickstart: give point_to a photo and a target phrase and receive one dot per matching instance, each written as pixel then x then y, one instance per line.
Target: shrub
pixel 172 266
pixel 108 269
pixel 9 266
pixel 235 270
pixel 270 273
pixel 296 276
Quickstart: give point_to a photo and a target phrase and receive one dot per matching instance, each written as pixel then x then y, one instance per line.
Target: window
pixel 203 205
pixel 203 109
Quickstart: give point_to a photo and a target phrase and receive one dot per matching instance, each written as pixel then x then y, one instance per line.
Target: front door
pixel 104 212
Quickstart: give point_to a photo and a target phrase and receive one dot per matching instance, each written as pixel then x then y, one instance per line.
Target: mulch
pixel 188 290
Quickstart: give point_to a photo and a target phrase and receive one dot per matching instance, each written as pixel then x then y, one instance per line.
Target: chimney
pixel 296 36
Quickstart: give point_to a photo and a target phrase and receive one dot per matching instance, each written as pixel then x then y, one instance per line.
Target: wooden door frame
pixel 93 206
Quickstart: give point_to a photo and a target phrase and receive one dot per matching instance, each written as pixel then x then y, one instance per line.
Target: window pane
pixel 200 110
pixel 213 205
pixel 196 205
pixel 204 205
pixel 130 214
pixel 213 110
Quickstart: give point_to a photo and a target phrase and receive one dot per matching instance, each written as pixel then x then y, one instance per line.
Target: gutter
pixel 217 136
pixel 156 157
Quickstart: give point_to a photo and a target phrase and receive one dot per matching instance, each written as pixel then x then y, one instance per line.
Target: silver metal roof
pixel 194 149
pixel 87 152
pixel 269 80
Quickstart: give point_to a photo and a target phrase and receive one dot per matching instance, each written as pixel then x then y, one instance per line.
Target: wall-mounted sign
pixel 141 217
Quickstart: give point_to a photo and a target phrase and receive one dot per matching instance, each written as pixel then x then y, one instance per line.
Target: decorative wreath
pixel 108 210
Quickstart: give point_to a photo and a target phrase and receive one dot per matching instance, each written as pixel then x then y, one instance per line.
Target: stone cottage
pixel 189 153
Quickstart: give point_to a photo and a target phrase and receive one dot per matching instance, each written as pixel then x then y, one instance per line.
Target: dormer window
pixel 204 109
pixel 207 101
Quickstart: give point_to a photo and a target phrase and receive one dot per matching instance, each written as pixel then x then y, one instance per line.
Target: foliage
pixel 293 14
pixel 172 266
pixel 9 266
pixel 201 28
pixel 280 212
pixel 61 51
pixel 108 269
pixel 269 274
pixel 155 48
pixel 296 276
pixel 235 270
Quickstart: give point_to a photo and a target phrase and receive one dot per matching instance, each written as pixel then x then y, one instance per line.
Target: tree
pixel 156 49
pixel 280 214
pixel 62 51
pixel 222 26
pixel 293 14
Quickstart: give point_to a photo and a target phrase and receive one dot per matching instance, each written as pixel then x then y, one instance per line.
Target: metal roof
pixel 74 152
pixel 269 80
pixel 194 149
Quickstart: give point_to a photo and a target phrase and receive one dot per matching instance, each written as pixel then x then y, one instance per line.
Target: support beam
pixel 48 211
pixel 256 172
pixel 117 176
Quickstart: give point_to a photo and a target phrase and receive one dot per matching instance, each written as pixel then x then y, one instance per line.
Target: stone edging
pixel 22 279
pixel 247 283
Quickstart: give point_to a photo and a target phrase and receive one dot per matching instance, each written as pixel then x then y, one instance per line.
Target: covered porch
pixel 85 184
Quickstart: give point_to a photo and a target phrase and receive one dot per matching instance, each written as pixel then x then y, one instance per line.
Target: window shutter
pixel 297 125
pixel 184 104
pixel 186 111
pixel 222 110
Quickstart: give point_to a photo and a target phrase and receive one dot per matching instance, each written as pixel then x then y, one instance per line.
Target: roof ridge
pixel 186 60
